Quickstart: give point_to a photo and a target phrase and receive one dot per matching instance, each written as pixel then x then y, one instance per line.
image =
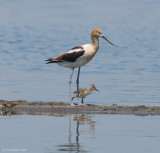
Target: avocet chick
pixel 83 92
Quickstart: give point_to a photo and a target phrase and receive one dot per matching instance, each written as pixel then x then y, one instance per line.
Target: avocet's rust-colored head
pixel 93 87
pixel 97 32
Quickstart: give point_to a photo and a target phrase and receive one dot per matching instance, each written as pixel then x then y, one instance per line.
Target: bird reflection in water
pixel 75 146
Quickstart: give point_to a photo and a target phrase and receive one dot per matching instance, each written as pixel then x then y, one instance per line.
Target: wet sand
pixel 20 107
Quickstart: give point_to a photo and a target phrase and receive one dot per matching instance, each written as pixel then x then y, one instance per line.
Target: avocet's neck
pixel 90 89
pixel 95 41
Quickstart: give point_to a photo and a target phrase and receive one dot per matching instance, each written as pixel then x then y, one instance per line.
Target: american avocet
pixel 83 92
pixel 79 56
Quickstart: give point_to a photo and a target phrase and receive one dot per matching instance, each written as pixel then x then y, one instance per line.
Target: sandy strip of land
pixel 48 108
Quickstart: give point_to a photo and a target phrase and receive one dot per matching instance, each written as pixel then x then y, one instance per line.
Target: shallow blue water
pixel 32 31
pixel 79 133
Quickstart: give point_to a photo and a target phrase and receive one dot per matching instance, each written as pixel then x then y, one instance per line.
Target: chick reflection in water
pixel 83 92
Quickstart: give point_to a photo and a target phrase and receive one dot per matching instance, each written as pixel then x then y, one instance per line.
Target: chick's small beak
pixel 108 40
pixel 97 90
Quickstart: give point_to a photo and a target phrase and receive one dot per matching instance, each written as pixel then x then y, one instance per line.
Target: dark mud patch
pixel 20 107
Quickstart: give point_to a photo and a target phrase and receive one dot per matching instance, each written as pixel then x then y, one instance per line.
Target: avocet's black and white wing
pixel 69 56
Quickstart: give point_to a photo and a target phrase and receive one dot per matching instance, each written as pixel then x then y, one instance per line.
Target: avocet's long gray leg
pixel 70 81
pixel 82 101
pixel 78 84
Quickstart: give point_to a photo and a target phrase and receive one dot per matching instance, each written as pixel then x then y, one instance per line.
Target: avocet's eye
pixel 99 32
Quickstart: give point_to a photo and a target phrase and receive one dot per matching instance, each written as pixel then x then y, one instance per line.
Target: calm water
pixel 80 133
pixel 32 31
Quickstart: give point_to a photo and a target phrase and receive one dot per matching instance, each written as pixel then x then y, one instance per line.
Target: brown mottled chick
pixel 83 92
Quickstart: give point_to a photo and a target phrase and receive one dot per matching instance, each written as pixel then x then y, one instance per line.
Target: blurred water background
pixel 32 31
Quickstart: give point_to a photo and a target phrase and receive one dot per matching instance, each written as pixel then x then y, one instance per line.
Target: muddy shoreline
pixel 21 107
